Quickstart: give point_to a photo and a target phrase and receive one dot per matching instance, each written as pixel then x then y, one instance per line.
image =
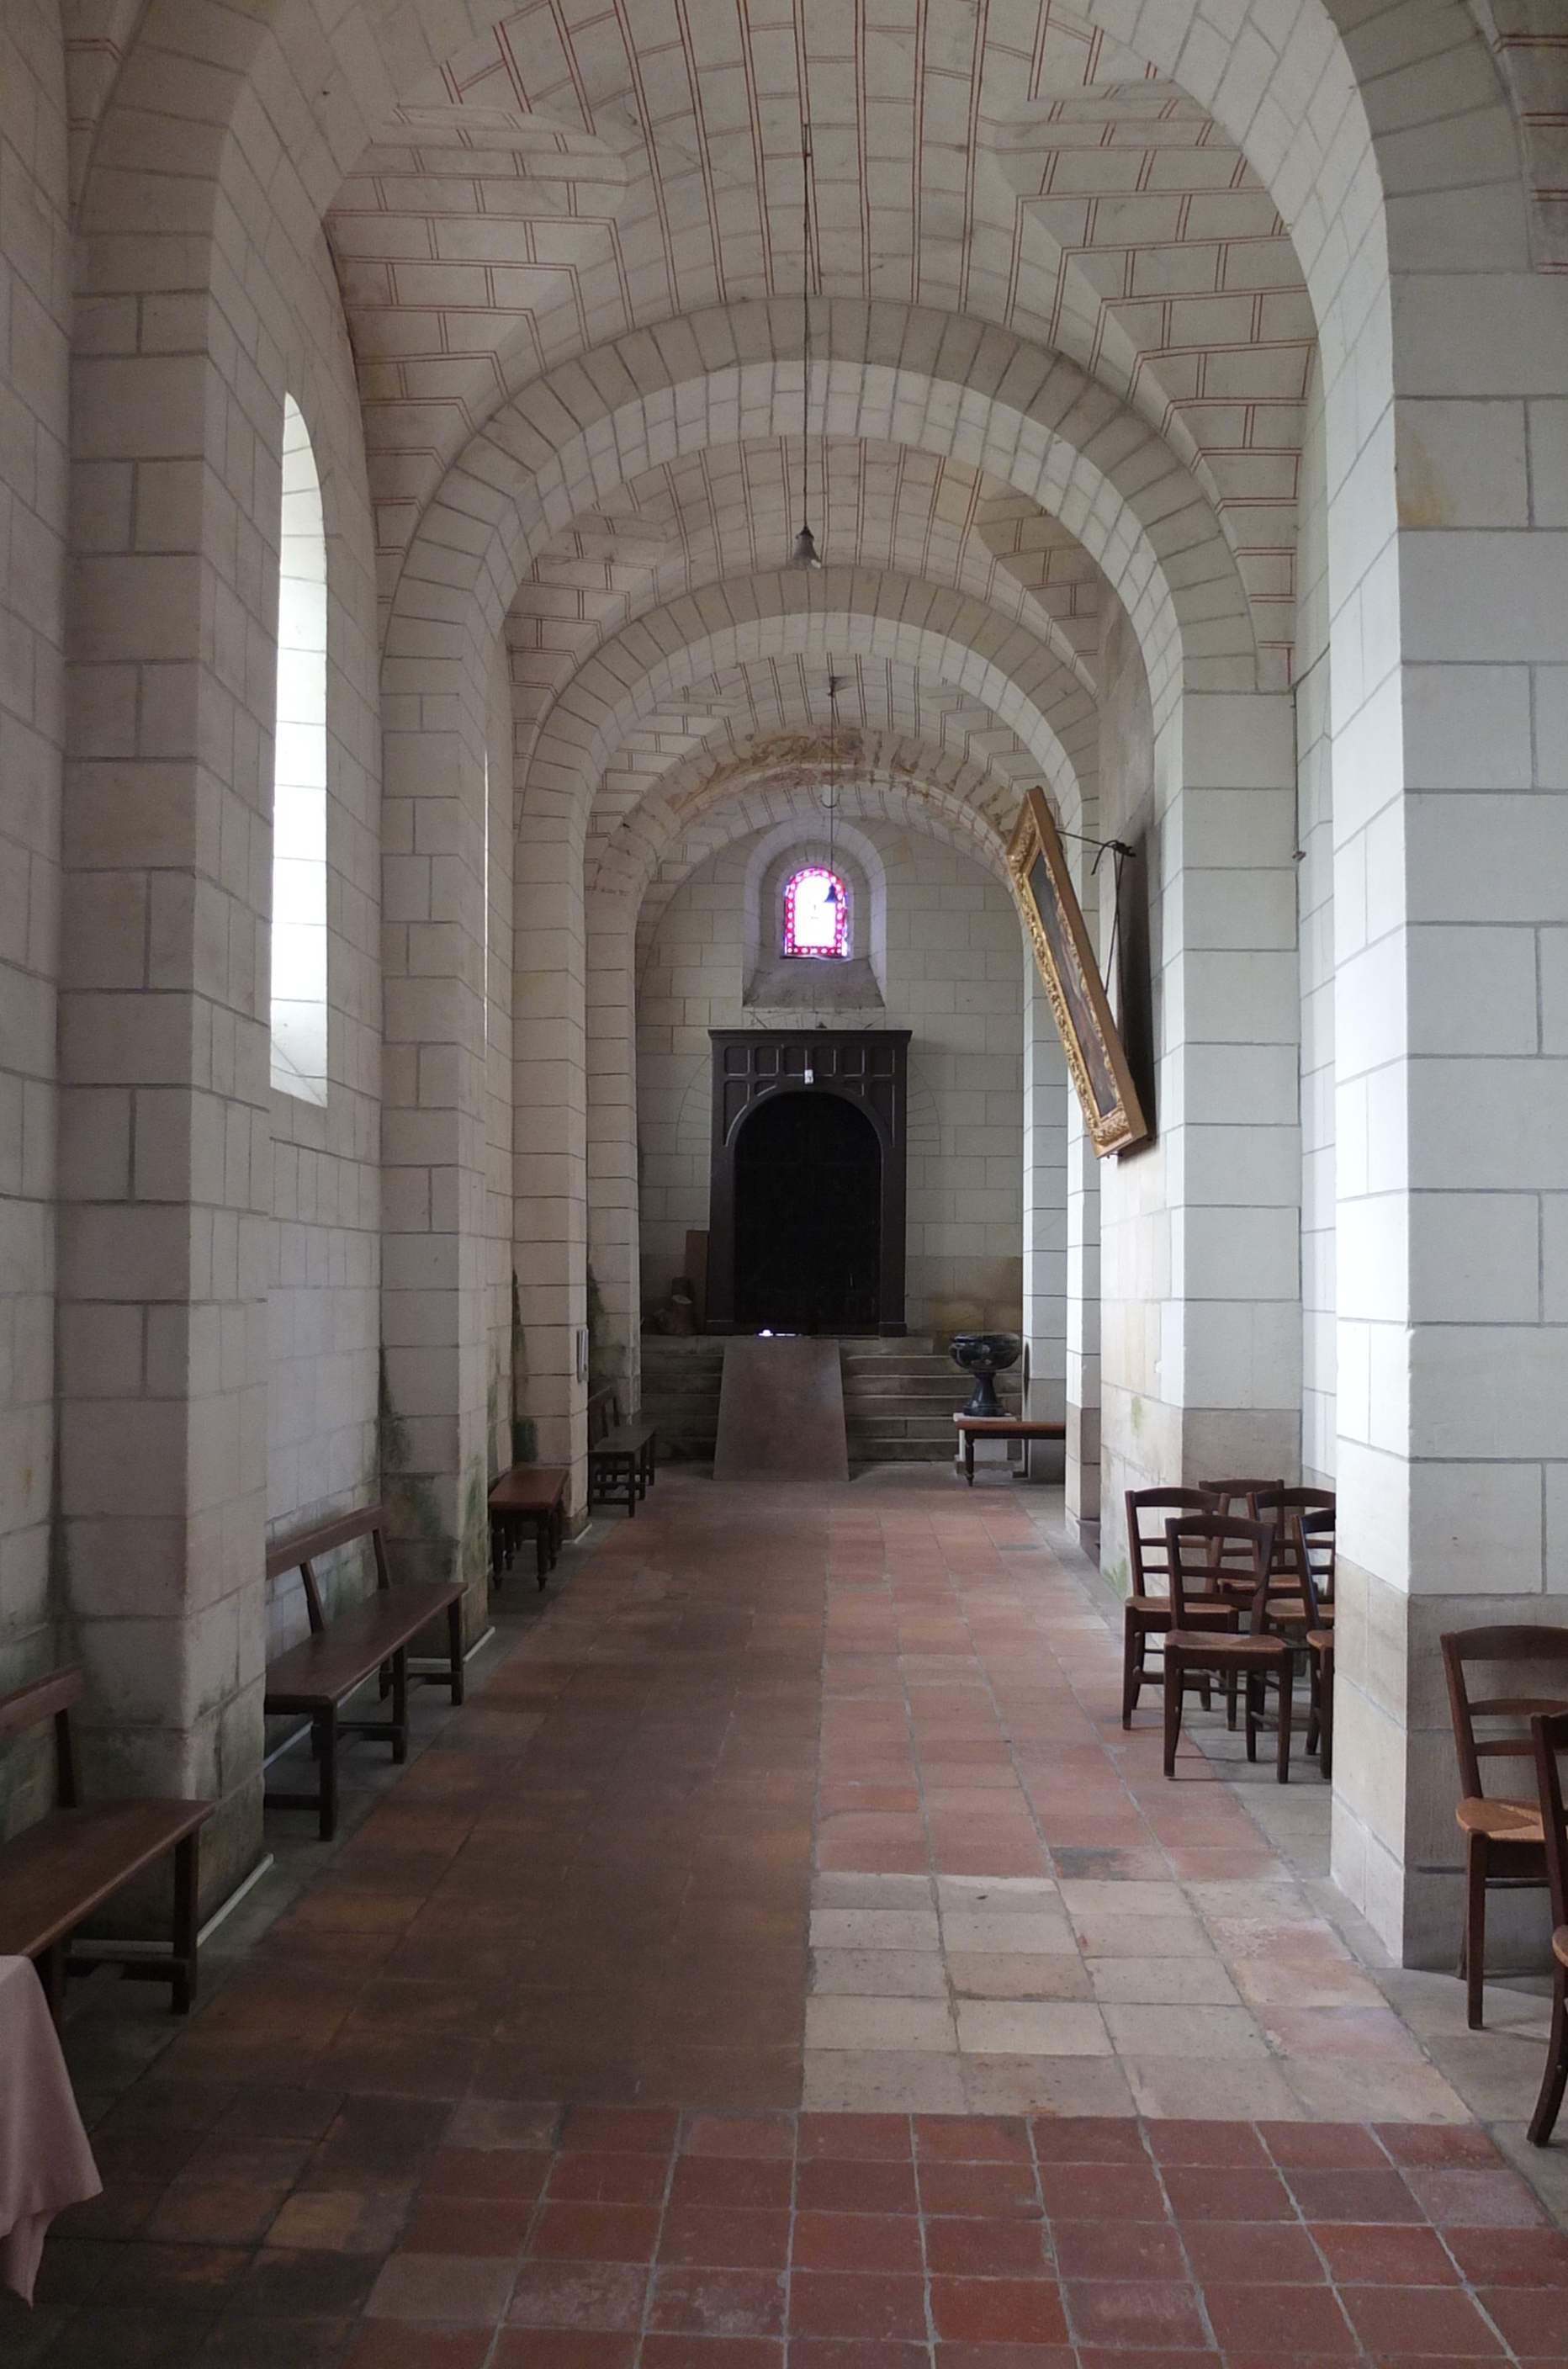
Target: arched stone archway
pixel 208 290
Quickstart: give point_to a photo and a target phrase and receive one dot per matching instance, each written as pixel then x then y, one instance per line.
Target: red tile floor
pixel 784 1947
pixel 882 2241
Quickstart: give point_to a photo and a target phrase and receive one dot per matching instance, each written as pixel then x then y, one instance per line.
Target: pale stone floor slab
pixel 1187 1954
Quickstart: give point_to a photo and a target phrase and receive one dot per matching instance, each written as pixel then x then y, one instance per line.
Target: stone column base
pixel 1397 1852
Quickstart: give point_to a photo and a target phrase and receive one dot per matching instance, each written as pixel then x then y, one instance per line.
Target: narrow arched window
pixel 816 912
pixel 299 801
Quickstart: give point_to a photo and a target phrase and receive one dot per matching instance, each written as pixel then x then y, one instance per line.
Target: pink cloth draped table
pixel 45 2161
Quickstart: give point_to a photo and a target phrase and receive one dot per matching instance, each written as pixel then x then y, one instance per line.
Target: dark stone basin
pixel 985 1355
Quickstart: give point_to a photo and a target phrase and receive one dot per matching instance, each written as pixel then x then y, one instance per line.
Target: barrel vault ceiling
pixel 559 185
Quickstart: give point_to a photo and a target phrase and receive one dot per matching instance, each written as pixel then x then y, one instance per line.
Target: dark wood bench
pixel 620 1456
pixel 528 1496
pixel 55 1873
pixel 370 1639
pixel 1000 1426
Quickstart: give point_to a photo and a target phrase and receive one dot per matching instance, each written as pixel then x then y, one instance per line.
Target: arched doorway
pixel 807 1216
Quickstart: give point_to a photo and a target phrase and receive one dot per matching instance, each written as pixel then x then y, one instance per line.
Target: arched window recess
pixel 816 912
pixel 299 800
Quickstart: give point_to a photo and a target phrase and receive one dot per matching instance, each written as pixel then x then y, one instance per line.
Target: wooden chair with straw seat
pixel 1281 1506
pixel 1147 1612
pixel 1549 1734
pixel 1504 1844
pixel 1199 1547
pixel 1315 1561
pixel 1233 1495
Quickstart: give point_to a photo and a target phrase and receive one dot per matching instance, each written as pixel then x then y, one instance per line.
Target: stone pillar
pixel 501 1339
pixel 1450 824
pixel 1083 1342
pixel 164 1143
pixel 434 1452
pixel 550 1121
pixel 1045 1219
pixel 36 304
pixel 612 1139
pixel 1201 1344
pixel 1231 1125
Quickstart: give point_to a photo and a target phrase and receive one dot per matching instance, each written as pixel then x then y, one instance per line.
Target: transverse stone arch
pixel 1027 418
pixel 622 687
pixel 298 102
pixel 302 100
pixel 1532 59
pixel 764 599
pixel 761 784
pixel 777 701
pixel 711 517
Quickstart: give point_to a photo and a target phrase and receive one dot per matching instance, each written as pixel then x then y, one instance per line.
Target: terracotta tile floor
pixel 786 1945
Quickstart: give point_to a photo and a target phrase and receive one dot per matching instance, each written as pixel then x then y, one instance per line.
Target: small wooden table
pixel 1000 1426
pixel 621 1466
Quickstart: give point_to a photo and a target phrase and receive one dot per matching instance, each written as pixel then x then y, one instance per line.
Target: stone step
pixel 890 1368
pixel 899 1396
pixel 893 1451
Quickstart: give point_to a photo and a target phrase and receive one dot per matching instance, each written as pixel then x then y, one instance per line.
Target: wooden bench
pixel 370 1639
pixel 1000 1426
pixel 55 1873
pixel 529 1497
pixel 620 1456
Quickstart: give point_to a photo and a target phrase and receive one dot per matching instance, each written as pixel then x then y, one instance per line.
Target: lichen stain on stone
pixel 790 761
pixel 786 760
pixel 1423 499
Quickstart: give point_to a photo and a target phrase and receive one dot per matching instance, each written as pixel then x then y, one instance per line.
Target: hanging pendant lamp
pixel 804 554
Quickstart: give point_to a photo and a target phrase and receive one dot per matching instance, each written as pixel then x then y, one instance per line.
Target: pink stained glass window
pixel 816 913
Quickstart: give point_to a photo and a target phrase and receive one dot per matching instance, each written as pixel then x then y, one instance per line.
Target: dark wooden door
pixel 853 1283
pixel 807 1216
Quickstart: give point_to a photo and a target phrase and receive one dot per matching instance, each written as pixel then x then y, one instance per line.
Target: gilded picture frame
pixel 1101 1077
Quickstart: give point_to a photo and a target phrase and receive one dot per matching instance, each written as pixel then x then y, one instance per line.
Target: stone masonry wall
pixel 955 976
pixel 35 297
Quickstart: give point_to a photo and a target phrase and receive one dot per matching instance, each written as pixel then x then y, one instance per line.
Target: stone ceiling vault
pixel 721 519
pixel 553 187
pixel 930 664
pixel 709 800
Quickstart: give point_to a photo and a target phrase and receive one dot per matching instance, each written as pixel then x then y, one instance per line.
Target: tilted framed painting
pixel 1104 1083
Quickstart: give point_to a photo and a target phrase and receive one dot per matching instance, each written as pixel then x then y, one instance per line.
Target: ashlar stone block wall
pixel 35 300
pixel 206 1233
pixel 954 978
